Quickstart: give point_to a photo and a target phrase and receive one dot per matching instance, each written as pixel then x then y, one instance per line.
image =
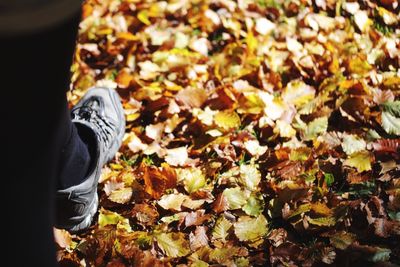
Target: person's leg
pixel 45 150
pixel 98 125
pixel 35 127
pixel 75 158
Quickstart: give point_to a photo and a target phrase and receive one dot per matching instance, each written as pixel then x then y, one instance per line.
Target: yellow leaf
pixel 359 66
pixel 321 209
pixel 227 119
pixel 251 43
pixel 143 16
pixel 105 31
pixel 360 160
pixel 127 36
pixel 132 117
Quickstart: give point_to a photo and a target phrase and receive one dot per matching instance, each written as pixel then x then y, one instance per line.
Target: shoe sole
pixel 87 221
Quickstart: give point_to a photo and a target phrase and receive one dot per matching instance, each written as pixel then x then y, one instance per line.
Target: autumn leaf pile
pixel 259 133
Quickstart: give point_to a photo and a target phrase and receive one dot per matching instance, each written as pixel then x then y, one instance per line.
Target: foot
pixel 98 115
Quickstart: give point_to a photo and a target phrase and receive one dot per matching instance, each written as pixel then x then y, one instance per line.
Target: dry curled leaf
pixel 157 180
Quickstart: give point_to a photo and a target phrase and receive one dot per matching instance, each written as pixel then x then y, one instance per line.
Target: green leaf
pixel 221 255
pixel 170 219
pixel 254 205
pixel 393 107
pixel 242 262
pixel 301 209
pixel 251 229
pixel 390 123
pixel 221 228
pixel 250 176
pixel 394 215
pixel 381 254
pixel 362 189
pixel 322 221
pixel 235 197
pixel 329 178
pixel 359 160
pixel 173 244
pixel 193 179
pixel 316 127
pixel 144 239
pixel 107 217
pixel 300 154
pixel 390 117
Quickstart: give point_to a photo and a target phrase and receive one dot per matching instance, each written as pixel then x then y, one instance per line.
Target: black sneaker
pixel 98 114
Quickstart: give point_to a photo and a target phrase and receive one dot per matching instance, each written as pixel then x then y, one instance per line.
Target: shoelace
pixel 104 126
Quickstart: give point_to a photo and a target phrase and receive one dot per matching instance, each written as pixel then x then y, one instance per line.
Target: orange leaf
pixel 220 204
pixel 124 78
pixel 157 180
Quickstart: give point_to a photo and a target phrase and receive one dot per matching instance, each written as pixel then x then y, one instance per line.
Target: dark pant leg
pixel 35 126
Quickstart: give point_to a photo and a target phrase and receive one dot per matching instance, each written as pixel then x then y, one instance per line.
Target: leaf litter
pixel 259 133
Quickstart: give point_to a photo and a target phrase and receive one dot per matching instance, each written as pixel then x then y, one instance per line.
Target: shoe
pixel 98 115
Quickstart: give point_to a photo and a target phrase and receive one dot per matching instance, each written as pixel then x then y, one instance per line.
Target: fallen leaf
pixel 173 244
pixel 157 180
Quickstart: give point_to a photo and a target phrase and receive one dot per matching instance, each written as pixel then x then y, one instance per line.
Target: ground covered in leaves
pixel 259 133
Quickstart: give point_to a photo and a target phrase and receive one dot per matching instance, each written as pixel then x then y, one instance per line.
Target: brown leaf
pixel 277 236
pixel 223 99
pixel 116 263
pixel 192 97
pixel 354 177
pixel 289 251
pixel 387 145
pixel 130 251
pixel 374 209
pixel 63 238
pixel 196 218
pixel 157 180
pixel 289 169
pixel 199 238
pixel 220 204
pixel 328 255
pixel 146 214
pixel 383 96
pixel 385 228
